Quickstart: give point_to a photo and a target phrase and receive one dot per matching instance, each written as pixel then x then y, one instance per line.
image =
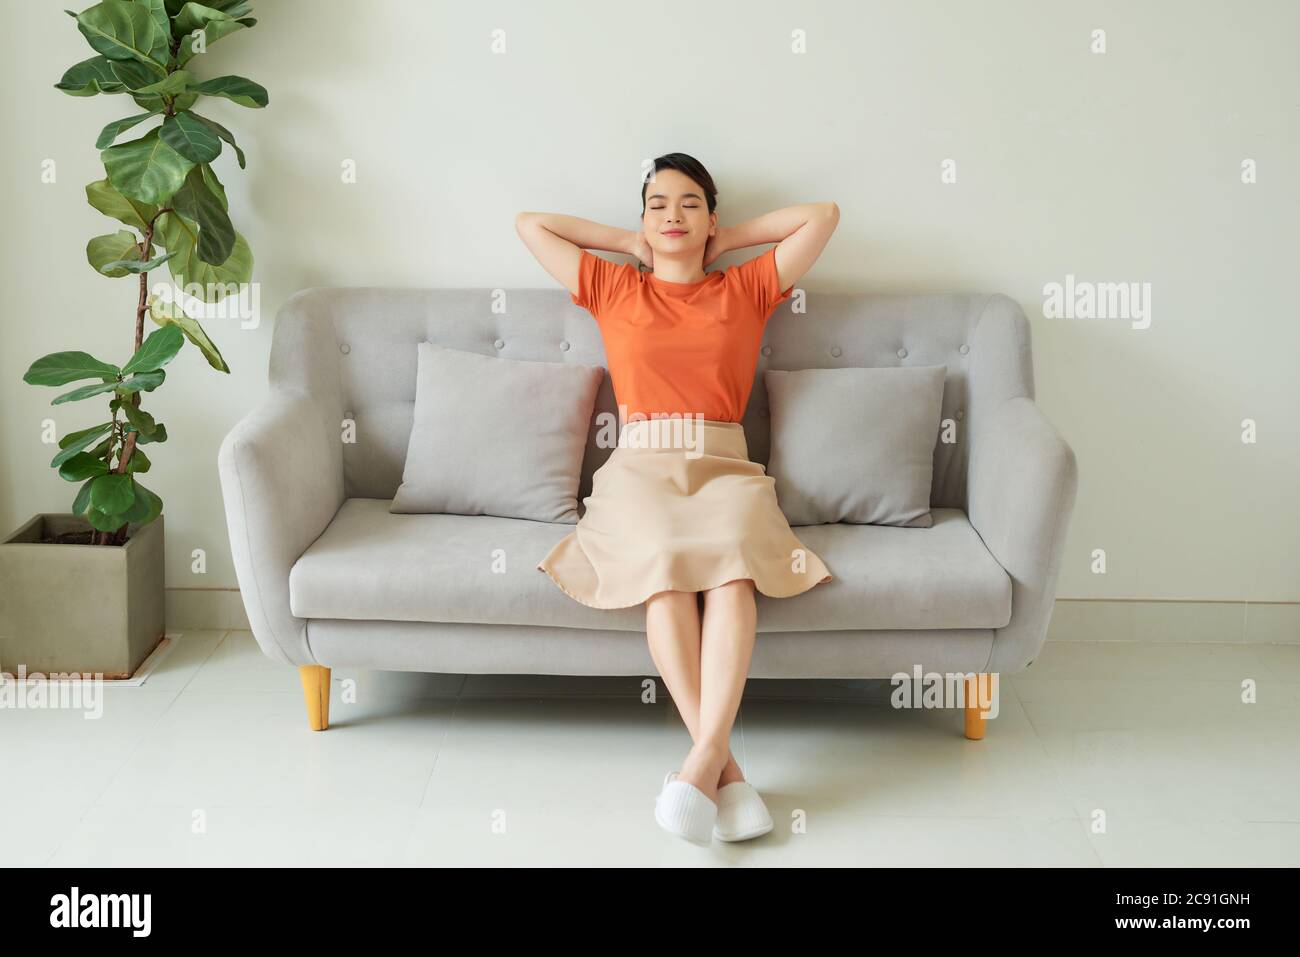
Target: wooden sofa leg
pixel 975 693
pixel 316 692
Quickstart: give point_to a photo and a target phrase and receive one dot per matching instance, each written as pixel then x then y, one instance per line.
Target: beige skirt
pixel 678 506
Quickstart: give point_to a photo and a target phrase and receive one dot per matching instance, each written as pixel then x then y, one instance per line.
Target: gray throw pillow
pixel 855 445
pixel 494 436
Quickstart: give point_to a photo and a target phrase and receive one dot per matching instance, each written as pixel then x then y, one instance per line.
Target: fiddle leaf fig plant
pixel 161 186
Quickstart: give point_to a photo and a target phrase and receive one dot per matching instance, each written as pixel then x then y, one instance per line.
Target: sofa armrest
pixel 1021 490
pixel 281 470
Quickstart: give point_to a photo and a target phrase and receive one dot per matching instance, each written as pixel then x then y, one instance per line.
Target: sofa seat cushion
pixel 373 564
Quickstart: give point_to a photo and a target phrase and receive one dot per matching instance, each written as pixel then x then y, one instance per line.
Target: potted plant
pixel 83 591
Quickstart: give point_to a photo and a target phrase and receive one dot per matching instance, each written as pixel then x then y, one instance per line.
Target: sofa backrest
pixel 356 349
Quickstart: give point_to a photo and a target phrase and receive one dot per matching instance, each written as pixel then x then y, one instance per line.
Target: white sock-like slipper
pixel 685 810
pixel 741 813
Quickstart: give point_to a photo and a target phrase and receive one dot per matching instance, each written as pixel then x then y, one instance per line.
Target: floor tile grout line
pixel 1056 775
pixel 94 803
pixel 219 642
pixel 464 678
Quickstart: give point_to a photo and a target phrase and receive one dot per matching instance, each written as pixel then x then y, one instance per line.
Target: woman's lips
pixel 675 232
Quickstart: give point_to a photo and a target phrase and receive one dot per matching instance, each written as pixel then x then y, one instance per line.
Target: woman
pixel 679 510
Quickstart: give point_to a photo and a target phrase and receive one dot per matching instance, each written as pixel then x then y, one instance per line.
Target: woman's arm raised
pixel 558 240
pixel 800 232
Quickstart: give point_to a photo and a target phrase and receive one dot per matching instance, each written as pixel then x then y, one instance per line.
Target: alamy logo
pixel 102 910
pixel 1098 300
pixel 949 689
pixel 58 690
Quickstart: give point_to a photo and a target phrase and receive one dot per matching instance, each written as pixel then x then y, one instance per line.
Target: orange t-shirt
pixel 681 348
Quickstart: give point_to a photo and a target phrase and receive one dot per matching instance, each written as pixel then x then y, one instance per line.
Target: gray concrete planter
pixel 83 608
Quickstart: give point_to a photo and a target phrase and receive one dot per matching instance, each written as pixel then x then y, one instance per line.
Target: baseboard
pixel 1168 620
pixel 205 609
pixel 1073 619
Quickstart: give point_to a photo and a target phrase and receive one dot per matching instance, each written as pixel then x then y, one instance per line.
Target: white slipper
pixel 685 810
pixel 741 813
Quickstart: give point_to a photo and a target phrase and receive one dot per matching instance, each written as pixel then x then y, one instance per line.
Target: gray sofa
pixel 330 577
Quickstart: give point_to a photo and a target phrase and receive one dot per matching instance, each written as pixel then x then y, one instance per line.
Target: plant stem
pixel 128 447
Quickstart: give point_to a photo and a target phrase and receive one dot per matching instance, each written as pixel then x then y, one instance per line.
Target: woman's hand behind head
pixel 642 251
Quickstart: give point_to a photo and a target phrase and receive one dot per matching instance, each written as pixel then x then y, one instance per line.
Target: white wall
pixel 1117 167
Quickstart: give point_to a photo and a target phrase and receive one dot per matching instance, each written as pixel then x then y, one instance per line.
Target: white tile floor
pixel 211 763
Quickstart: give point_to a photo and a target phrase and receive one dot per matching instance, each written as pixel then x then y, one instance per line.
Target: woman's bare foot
pixel 703 768
pixel 731 773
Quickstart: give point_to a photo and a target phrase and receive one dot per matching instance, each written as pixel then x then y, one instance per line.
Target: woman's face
pixel 677 221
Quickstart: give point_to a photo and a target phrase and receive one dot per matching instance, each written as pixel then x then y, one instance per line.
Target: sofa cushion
pixel 373 564
pixel 855 445
pixel 493 436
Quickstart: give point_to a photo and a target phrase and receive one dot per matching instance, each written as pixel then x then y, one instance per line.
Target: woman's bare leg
pixel 673 632
pixel 726 645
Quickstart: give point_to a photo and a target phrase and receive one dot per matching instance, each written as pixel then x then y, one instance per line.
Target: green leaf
pixel 195 16
pixel 101 521
pixel 165 313
pixel 213 32
pixel 138 266
pixel 142 382
pixel 59 368
pixel 101 450
pixel 158 13
pixel 214 184
pixel 106 253
pixel 112 494
pixel 90 434
pixel 234 8
pixel 159 435
pixel 73 444
pixel 82 466
pixel 90 77
pixel 115 129
pixel 191 138
pixel 224 133
pixel 147 505
pixel 133 74
pixel 182 101
pixel 104 197
pixel 122 30
pixel 140 420
pixel 86 391
pixel 170 85
pixel 178 233
pixel 242 91
pixel 158 349
pixel 213 23
pixel 200 204
pixel 138 462
pixel 83 498
pixel 146 169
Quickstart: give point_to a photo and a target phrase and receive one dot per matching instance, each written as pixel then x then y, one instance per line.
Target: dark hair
pixel 692 168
